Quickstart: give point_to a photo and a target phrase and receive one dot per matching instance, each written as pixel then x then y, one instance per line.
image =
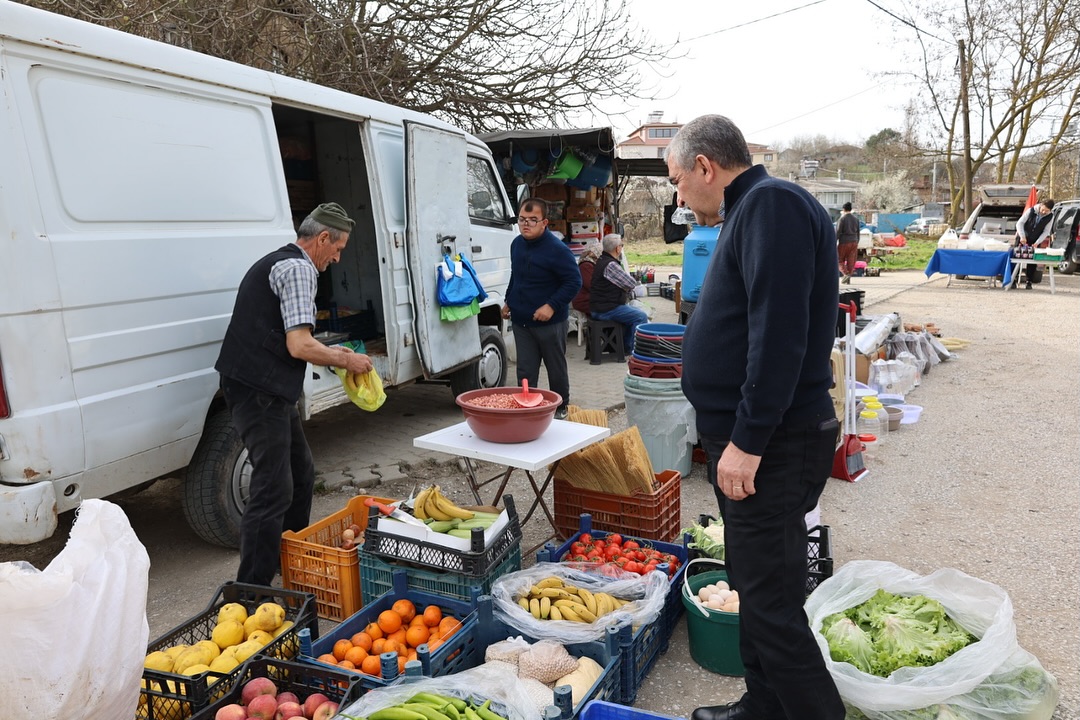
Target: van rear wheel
pixel 487 372
pixel 218 482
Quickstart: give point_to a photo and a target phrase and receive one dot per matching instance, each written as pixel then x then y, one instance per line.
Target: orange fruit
pixel 327 658
pixel 340 648
pixel 433 645
pixel 434 634
pixel 401 665
pixel 417 636
pixel 432 615
pixel 389 621
pixel 399 635
pixel 405 609
pixel 411 655
pixel 347 665
pixel 373 631
pixel 362 639
pixel 356 655
pixel 391 645
pixel 418 620
pixel 448 625
pixel 378 646
pixel 371 666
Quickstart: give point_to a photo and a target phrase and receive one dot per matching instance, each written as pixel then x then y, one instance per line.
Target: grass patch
pixel 667 258
pixel 915 256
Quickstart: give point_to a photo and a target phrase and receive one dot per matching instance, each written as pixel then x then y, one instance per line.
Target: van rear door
pixel 437 222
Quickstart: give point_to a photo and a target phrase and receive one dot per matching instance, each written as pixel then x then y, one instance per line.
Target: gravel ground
pixel 985 482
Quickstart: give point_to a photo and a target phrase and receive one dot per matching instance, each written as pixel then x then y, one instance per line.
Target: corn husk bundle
pixel 587 417
pixel 618 465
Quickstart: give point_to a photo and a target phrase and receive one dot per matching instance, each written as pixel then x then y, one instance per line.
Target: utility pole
pixel 967 129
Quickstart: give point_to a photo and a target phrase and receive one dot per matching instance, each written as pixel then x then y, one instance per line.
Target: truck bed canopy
pixel 503 144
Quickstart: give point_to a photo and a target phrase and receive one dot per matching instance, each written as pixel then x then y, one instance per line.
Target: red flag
pixel 1033 198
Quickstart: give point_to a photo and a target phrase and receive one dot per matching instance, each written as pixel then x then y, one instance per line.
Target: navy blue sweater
pixel 756 350
pixel 542 271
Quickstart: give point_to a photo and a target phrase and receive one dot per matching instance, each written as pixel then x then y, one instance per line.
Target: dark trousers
pixel 547 343
pixel 282 477
pixel 847 253
pixel 765 539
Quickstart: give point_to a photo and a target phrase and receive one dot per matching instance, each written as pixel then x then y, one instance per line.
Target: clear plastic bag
pixel 94 594
pixel 647 593
pixel 993 678
pixel 491 681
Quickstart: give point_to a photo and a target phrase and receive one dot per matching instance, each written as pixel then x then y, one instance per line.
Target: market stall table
pixel 1050 265
pixel 980 263
pixel 559 440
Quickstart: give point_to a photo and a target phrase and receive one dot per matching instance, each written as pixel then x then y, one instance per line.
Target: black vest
pixel 254 350
pixel 1036 223
pixel 604 295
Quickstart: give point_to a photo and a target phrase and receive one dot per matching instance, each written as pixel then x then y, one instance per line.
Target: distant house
pixel 651 141
pixel 832 194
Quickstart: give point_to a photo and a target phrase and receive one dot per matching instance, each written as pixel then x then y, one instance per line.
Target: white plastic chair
pixel 576 322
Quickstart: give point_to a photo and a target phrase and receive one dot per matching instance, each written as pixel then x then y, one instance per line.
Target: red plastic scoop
pixel 526 398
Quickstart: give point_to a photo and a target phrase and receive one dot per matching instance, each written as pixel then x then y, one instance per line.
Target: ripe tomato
pixel 615 539
pixel 631 545
pixel 578 549
pixel 649 568
pixel 632 566
pixel 599 544
pixel 585 538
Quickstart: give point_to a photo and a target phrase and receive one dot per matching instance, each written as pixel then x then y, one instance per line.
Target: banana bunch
pixel 442 515
pixel 430 706
pixel 554 599
pixel 352 380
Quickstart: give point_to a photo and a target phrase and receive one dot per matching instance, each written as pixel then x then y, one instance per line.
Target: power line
pixel 906 22
pixel 819 109
pixel 752 22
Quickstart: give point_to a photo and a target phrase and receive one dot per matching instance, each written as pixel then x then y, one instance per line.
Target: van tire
pixel 487 372
pixel 216 485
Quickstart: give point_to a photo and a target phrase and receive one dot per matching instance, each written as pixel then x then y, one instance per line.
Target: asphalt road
pixel 985 482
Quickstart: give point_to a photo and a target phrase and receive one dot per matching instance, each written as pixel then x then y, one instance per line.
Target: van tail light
pixel 4 409
pixel 963 236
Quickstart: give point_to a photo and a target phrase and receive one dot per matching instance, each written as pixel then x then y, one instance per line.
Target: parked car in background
pixel 922 225
pixel 1066 227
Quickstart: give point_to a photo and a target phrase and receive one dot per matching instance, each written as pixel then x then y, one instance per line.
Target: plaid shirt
pixel 618 276
pixel 295 281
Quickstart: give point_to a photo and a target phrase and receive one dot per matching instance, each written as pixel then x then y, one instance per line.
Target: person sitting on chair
pixel 612 287
pixel 586 266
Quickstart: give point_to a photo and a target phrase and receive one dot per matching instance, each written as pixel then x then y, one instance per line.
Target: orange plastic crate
pixel 655 516
pixel 311 562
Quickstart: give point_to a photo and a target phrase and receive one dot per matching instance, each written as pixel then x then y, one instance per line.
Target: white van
pixel 138 182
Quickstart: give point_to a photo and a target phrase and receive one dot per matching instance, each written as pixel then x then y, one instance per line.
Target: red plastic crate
pixel 654 516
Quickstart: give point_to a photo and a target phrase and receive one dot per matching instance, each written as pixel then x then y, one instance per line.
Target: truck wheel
pixel 487 372
pixel 1070 262
pixel 217 483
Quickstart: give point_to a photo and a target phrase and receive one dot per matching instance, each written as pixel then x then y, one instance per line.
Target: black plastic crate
pixel 847 297
pixel 170 695
pixel 819 561
pixel 478 563
pixel 341 686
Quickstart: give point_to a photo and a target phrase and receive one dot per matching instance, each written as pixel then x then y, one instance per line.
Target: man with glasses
pixel 544 278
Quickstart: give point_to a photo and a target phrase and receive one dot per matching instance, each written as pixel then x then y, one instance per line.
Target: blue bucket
pixel 524 160
pixel 598 174
pixel 661 329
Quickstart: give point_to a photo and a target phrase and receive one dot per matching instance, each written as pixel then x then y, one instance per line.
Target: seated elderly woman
pixel 586 265
pixel 612 288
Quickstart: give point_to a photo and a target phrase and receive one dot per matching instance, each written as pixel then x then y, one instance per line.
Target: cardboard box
pixel 582 197
pixel 582 213
pixel 559 226
pixel 551 192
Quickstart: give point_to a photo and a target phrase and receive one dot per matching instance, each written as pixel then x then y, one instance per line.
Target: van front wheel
pixel 487 372
pixel 218 482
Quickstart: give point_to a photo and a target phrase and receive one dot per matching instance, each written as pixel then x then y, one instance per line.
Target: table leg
pixel 1051 269
pixel 475 483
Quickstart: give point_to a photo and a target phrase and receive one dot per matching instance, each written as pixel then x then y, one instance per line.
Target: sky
pixel 794 68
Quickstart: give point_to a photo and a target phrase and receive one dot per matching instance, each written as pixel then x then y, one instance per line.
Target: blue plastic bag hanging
pixel 458 288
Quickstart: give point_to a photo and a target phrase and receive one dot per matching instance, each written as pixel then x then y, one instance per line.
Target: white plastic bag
pixel 491 681
pixel 647 592
pixel 75 634
pixel 962 679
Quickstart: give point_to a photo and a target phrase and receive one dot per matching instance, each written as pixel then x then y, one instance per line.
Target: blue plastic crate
pixel 607 654
pixel 377 577
pixel 460 652
pixel 673 607
pixel 600 710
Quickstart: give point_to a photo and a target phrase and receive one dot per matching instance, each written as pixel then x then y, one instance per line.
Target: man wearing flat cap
pixel 262 363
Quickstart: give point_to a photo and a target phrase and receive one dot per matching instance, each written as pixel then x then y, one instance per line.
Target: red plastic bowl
pixel 513 425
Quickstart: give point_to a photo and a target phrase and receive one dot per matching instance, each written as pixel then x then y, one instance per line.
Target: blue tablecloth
pixel 981 263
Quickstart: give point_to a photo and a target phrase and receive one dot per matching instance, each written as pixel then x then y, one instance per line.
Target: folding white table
pixel 559 440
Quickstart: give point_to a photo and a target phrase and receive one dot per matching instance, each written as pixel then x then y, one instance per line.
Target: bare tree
pixel 1024 60
pixel 482 64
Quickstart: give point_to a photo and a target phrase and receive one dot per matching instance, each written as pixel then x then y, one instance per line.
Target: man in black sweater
pixel 264 356
pixel 756 369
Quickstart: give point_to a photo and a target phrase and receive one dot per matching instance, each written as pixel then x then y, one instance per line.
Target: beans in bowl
pixel 500 401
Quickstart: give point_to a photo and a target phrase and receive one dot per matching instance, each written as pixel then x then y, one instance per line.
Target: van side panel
pixel 164 192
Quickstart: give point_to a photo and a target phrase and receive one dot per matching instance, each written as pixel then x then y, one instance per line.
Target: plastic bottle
pixel 867 427
pixel 883 420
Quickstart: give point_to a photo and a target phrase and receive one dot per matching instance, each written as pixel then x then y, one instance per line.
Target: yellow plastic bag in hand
pixel 366 391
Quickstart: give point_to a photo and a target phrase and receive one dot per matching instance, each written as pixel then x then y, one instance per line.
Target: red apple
pixel 258 686
pixel 231 712
pixel 326 711
pixel 262 707
pixel 284 697
pixel 312 704
pixel 288 710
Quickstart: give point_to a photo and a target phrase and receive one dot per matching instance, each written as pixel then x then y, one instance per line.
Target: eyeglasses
pixel 529 221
